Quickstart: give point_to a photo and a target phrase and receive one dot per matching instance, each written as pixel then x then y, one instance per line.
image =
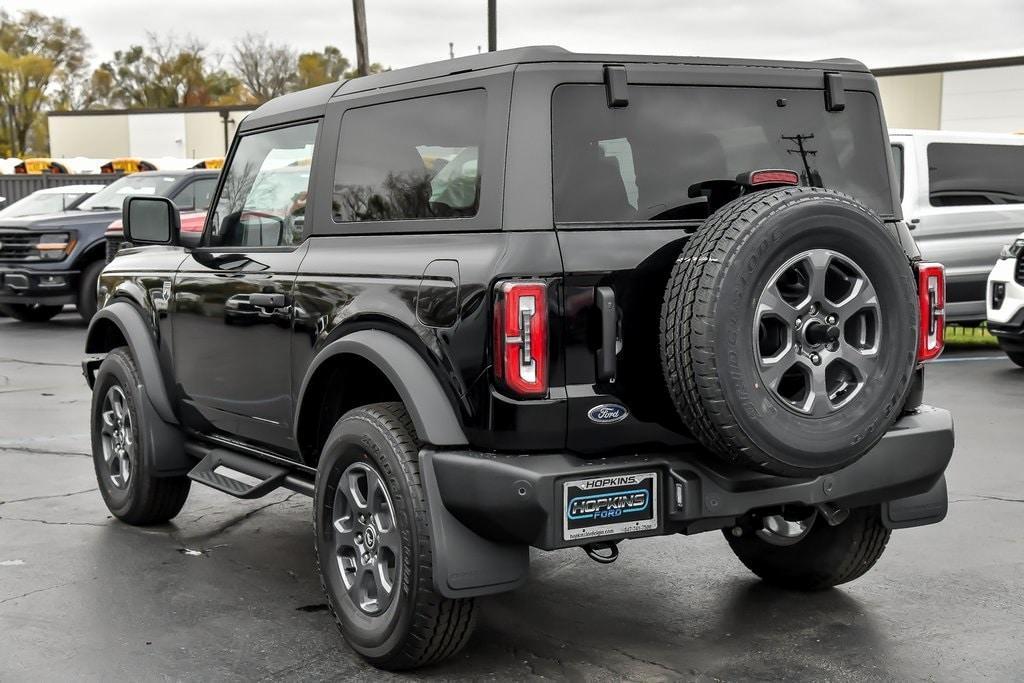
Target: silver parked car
pixel 963 196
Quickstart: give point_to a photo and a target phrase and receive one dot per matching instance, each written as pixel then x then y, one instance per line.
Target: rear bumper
pixel 518 499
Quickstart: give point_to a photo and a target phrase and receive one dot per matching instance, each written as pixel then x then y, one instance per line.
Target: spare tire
pixel 789 331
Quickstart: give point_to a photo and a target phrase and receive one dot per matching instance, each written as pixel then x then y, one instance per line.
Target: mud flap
pixel 465 564
pixel 165 443
pixel 925 508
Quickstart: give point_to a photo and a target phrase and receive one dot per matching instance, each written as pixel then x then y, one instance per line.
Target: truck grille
pixel 1018 272
pixel 18 245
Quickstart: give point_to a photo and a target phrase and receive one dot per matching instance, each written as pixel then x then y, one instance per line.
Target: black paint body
pixel 253 376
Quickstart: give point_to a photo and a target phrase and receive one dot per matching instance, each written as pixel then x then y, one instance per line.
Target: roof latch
pixel 615 85
pixel 835 94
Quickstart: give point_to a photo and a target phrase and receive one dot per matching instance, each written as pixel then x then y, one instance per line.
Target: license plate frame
pixel 621 504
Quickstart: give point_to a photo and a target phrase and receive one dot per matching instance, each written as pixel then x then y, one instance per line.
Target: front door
pixel 232 307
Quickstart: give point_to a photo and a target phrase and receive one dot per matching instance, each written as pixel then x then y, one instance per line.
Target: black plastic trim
pixel 516 498
pixel 428 405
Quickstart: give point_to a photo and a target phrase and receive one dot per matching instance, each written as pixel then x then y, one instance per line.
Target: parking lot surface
pixel 228 589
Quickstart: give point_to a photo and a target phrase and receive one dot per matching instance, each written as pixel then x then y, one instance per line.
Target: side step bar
pixel 269 476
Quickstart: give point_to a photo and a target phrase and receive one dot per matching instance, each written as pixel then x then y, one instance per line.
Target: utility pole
pixel 492 25
pixel 362 57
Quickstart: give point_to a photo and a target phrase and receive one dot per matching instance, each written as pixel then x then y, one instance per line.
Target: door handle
pixel 604 299
pixel 268 300
pixel 912 223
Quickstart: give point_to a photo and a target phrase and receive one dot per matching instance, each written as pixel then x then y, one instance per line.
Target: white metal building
pixel 187 132
pixel 984 95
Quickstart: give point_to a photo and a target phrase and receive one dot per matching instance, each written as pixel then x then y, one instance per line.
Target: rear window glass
pixel 411 159
pixel 644 161
pixel 975 175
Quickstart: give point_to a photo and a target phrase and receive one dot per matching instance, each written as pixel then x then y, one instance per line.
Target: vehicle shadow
pixel 728 629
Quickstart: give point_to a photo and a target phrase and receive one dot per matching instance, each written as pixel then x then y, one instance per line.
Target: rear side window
pixel 643 161
pixel 413 159
pixel 897 160
pixel 975 175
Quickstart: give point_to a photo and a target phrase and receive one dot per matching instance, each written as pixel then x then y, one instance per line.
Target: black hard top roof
pixel 310 103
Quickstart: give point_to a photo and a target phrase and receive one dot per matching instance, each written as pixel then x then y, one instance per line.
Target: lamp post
pixel 362 58
pixel 492 25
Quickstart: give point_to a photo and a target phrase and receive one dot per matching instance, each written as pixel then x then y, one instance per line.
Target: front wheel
pixel 31 313
pixel 803 552
pixel 124 473
pixel 372 540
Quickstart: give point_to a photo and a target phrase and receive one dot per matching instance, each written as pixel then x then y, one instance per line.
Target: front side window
pixel 412 159
pixel 263 200
pixel 975 175
pixel 664 156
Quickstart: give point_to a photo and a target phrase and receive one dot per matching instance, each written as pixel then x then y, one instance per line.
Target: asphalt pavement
pixel 228 591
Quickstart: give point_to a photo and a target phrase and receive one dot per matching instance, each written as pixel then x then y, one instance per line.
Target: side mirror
pixel 151 220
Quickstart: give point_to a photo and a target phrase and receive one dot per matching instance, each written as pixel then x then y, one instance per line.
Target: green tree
pixel 326 66
pixel 166 73
pixel 42 64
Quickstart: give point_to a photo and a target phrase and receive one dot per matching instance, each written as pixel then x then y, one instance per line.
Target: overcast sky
pixel 406 32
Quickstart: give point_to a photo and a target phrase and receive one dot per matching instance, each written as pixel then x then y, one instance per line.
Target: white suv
pixel 1006 300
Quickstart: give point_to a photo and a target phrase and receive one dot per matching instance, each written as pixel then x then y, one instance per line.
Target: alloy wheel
pixel 817 332
pixel 117 430
pixel 367 542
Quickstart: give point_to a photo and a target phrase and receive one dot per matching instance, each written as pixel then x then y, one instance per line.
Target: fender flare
pixel 134 329
pixel 421 392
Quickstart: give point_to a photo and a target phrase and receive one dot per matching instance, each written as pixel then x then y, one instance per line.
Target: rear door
pixel 626 196
pixel 232 312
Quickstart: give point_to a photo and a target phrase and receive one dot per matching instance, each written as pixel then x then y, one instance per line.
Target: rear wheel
pixel 803 552
pixel 1017 357
pixel 31 313
pixel 372 540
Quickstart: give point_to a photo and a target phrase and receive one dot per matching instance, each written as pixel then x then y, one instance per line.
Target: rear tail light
pixel 521 337
pixel 931 294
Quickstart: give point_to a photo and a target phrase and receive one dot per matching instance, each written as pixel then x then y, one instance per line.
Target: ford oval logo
pixel 607 413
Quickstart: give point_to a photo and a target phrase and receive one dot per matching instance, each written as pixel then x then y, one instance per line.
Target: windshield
pixel 646 161
pixel 36 204
pixel 112 197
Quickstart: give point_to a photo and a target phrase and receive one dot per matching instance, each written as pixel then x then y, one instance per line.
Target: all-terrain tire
pixel 140 499
pixel 708 324
pixel 827 556
pixel 86 303
pixel 31 313
pixel 419 626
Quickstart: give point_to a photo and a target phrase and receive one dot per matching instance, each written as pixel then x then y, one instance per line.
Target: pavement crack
pixel 39 362
pixel 974 497
pixel 48 522
pixel 56 495
pixel 38 590
pixel 228 525
pixel 43 451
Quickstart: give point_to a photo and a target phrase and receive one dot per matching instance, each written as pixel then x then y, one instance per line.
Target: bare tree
pixel 265 68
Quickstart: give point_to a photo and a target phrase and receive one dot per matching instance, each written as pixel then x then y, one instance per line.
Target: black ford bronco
pixel 535 299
